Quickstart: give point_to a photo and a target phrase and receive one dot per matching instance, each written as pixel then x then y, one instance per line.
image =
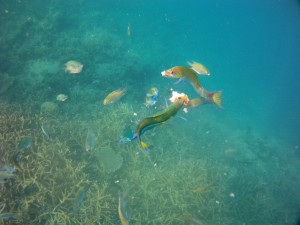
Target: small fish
pixel 129 30
pixel 185 73
pixel 114 96
pixel 73 67
pixel 192 220
pixel 199 68
pixel 122 206
pixel 127 134
pixel 45 131
pixel 89 140
pixel 80 198
pixel 24 143
pixel 8 216
pixel 151 97
pixel 61 97
pixel 202 188
pixel 16 163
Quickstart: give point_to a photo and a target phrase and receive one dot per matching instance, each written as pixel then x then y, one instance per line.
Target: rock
pixel 49 108
pixel 110 160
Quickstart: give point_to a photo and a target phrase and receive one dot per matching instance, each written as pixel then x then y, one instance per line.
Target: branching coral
pixel 57 170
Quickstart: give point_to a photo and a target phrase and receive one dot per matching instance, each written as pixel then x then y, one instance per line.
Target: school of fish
pixel 178 101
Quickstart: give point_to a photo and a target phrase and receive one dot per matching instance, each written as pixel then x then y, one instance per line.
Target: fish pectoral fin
pixel 164 123
pixel 183 118
pixel 179 80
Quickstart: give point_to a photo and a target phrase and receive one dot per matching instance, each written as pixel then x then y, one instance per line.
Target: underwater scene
pixel 149 112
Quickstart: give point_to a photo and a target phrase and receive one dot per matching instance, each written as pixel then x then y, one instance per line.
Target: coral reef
pixel 44 191
pixel 56 168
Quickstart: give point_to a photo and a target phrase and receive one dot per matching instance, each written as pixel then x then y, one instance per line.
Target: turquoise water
pixel 236 165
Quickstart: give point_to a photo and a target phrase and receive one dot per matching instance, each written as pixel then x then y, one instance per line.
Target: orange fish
pixel 203 188
pixel 185 73
pixel 114 96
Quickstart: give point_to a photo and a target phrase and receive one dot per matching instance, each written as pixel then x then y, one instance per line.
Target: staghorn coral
pixel 109 160
pixel 161 184
pixel 45 190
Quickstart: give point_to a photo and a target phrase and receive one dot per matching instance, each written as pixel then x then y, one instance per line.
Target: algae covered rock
pixel 110 161
pixel 49 108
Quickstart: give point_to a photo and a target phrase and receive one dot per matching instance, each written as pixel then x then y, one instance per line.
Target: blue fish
pixel 24 143
pixel 127 134
pixel 151 97
pixel 80 198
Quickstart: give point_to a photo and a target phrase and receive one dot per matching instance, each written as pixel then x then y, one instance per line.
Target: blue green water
pixel 250 148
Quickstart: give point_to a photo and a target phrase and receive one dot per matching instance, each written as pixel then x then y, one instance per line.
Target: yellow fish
pixel 203 188
pixel 114 96
pixel 121 208
pixel 199 68
pixel 185 73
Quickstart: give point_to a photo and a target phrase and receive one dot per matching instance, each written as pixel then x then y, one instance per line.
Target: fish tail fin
pixel 196 102
pixel 143 145
pixel 215 97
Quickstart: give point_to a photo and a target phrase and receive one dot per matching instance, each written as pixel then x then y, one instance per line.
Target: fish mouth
pixel 163 73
